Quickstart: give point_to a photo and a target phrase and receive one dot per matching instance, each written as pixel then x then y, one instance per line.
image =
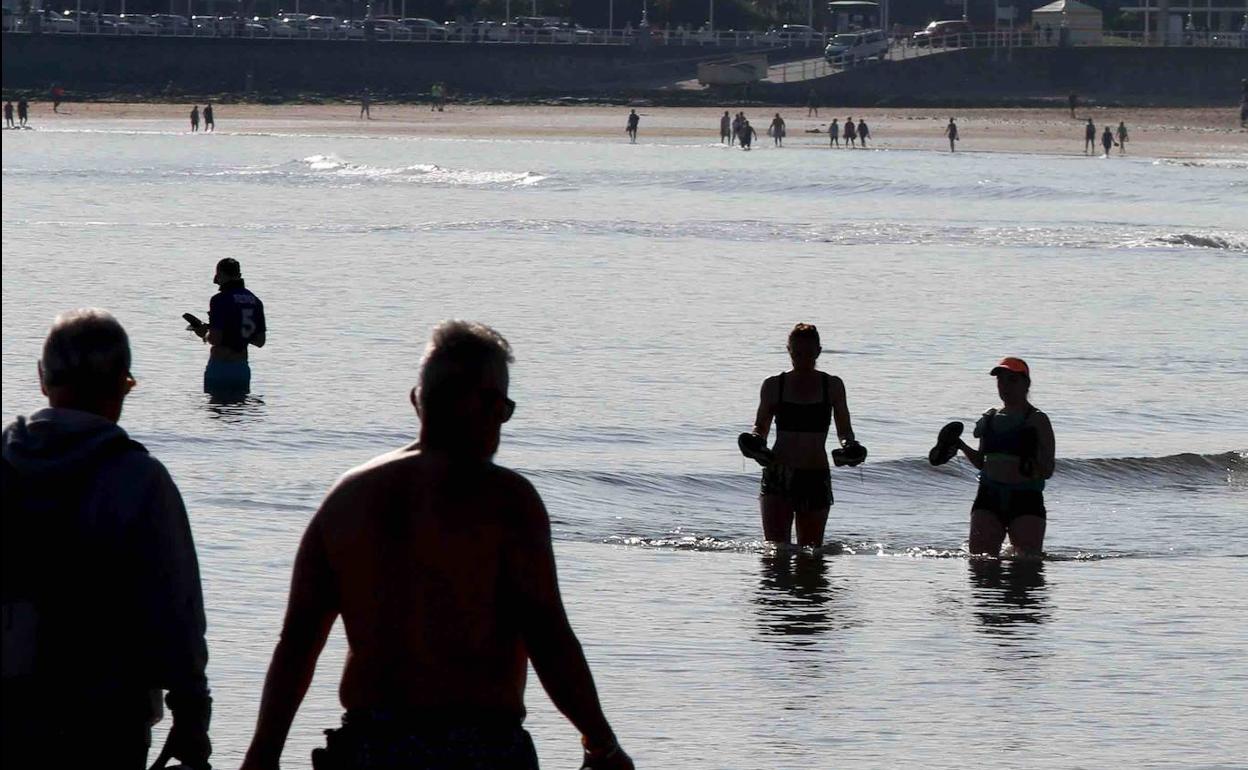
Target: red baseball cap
pixel 1011 364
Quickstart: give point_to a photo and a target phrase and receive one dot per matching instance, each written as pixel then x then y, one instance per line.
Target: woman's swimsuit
pixel 1006 436
pixel 804 489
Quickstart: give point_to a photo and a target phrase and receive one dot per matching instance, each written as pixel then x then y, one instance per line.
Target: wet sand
pixel 1154 132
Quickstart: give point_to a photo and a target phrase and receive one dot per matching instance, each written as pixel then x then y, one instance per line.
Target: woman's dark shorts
pixel 1008 504
pixel 804 489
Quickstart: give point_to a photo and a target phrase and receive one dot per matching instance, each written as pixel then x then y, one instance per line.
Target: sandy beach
pixel 1154 132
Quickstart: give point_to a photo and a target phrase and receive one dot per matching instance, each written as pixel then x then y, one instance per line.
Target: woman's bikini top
pixel 804 418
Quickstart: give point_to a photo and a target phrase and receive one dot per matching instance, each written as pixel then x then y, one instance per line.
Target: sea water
pixel 647 291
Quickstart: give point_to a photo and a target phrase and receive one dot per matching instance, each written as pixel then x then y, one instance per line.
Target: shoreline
pixel 1156 133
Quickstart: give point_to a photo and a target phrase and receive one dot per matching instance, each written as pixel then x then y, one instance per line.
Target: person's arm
pixel 840 411
pixel 310 614
pixel 1046 446
pixel 553 648
pixel 975 455
pixel 173 610
pixel 766 410
pixel 258 337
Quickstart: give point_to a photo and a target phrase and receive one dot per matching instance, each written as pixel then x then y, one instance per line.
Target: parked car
pixel 140 24
pixel 172 23
pixel 204 25
pixel 54 22
pixel 853 47
pixel 942 33
pixel 113 24
pixel 424 29
pixel 793 33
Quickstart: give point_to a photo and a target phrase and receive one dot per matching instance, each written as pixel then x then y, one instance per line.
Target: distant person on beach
pixel 195 118
pixel 747 134
pixel 863 133
pixel 951 131
pixel 1122 138
pixel 737 121
pixel 209 124
pixel 812 103
pixel 1073 102
pixel 8 114
pixel 851 133
pixel 23 111
pixel 102 602
pixel 1014 457
pixel 365 101
pixel 439 564
pixel 235 321
pixel 633 120
pixel 725 129
pixel 776 129
pixel 834 133
pixel 1089 138
pixel 437 92
pixel 1107 140
pixel 797 481
pixel 1243 103
pixel 58 96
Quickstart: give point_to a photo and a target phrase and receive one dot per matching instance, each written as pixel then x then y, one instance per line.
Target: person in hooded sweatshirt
pixel 103 608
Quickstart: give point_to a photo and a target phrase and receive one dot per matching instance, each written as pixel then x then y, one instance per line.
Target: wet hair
pixel 457 358
pixel 804 331
pixel 87 351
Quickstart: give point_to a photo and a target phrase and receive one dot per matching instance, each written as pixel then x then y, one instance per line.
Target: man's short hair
pixel 457 358
pixel 230 268
pixel 88 351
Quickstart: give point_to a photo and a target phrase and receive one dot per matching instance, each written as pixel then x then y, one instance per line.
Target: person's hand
pixel 605 757
pixel 189 743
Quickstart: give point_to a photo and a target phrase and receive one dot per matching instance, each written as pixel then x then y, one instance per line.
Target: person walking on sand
pixel 195 118
pixel 439 565
pixel 851 133
pixel 951 131
pixel 365 104
pixel 812 103
pixel 1089 138
pixel 8 114
pixel 834 133
pixel 1122 138
pixel 804 403
pixel 209 124
pixel 747 134
pixel 23 111
pixel 103 608
pixel 863 133
pixel 58 96
pixel 725 129
pixel 1073 102
pixel 776 129
pixel 631 130
pixel 1107 140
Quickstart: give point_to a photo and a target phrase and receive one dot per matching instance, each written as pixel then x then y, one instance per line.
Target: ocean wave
pixel 426 173
pixel 1200 241
pixel 1229 163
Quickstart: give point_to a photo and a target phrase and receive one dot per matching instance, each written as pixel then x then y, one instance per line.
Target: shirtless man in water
pixel 440 564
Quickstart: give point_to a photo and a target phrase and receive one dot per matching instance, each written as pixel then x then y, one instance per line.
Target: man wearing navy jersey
pixel 235 320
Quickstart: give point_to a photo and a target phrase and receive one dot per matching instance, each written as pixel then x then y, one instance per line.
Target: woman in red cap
pixel 1015 457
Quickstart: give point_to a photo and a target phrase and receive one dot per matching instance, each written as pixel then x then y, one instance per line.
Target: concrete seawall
pixel 100 63
pixel 1137 76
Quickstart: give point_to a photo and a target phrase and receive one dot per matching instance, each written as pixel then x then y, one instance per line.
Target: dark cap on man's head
pixel 1011 364
pixel 229 267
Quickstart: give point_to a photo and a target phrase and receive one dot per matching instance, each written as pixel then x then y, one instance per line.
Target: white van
pixel 853 47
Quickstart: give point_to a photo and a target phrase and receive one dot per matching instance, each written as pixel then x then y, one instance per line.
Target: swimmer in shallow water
pixel 804 402
pixel 1015 457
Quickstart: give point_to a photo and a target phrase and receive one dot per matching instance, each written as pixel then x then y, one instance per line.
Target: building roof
pixel 1068 6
